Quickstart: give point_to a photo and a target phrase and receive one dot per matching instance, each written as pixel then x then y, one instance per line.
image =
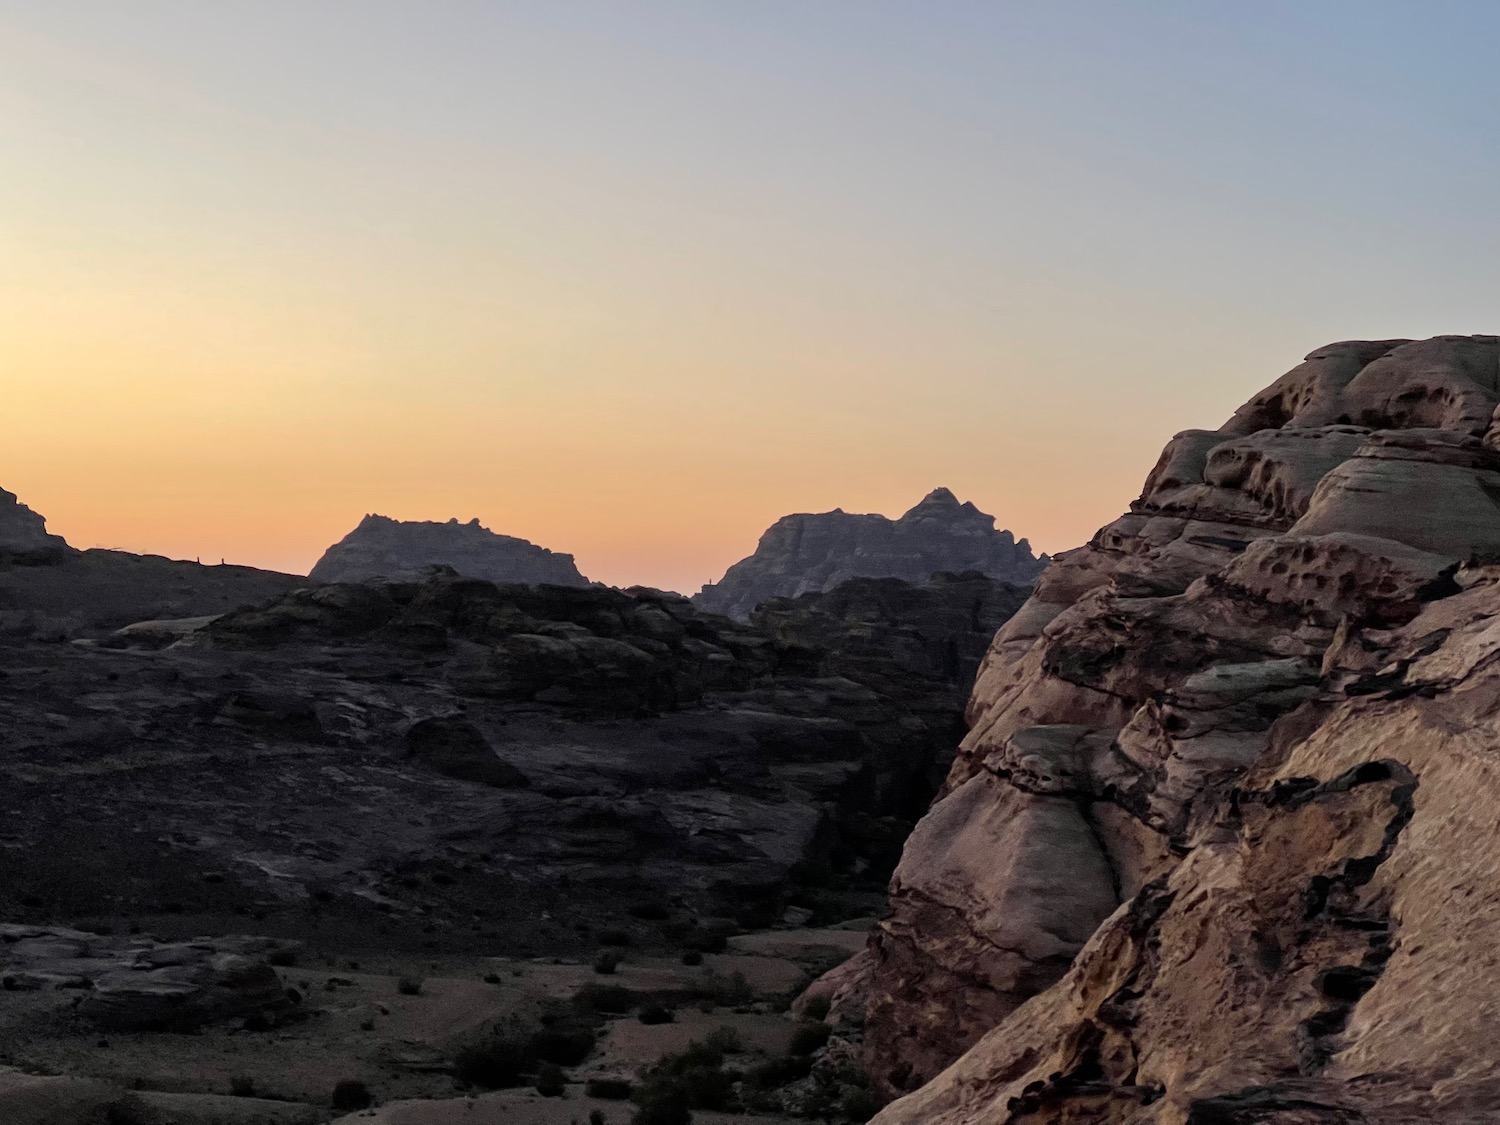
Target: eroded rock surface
pixel 453 761
pixel 808 553
pixel 23 534
pixel 1203 754
pixel 384 549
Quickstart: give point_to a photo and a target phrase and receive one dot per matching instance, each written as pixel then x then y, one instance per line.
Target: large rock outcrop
pixel 1211 850
pixel 23 534
pixel 383 549
pixel 801 554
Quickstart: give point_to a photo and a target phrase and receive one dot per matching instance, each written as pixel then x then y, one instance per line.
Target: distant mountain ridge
pixel 810 553
pixel 395 550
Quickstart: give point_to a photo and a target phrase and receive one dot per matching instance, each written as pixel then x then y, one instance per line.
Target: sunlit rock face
pixel 23 534
pixel 803 554
pixel 1219 844
pixel 383 549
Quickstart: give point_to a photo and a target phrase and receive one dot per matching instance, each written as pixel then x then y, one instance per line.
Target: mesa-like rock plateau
pixel 1218 846
pixel 802 554
pixel 383 549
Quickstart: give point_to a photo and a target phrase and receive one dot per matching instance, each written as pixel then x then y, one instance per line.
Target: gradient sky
pixel 634 279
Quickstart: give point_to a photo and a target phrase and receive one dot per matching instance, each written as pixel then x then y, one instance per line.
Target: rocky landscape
pixel 1210 848
pixel 383 549
pixel 1215 848
pixel 812 553
pixel 437 777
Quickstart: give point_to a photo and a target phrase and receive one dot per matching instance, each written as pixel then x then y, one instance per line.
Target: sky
pixel 632 280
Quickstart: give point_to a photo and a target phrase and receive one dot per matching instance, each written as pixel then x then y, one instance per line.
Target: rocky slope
pixel 381 548
pixel 569 752
pixel 23 534
pixel 1215 849
pixel 806 553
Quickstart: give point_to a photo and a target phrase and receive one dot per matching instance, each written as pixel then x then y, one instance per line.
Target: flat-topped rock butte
pixel 383 549
pixel 1218 847
pixel 802 554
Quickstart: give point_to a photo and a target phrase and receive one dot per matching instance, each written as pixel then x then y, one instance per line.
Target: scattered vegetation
pixel 410 986
pixel 607 961
pixel 609 1089
pixel 654 1013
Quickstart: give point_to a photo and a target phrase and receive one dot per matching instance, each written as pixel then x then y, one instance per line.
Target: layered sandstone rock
pixel 1283 599
pixel 383 549
pixel 23 534
pixel 807 553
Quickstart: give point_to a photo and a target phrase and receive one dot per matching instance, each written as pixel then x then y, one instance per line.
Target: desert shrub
pixel 816 1008
pixel 730 992
pixel 614 937
pixel 596 1117
pixel 242 1086
pixel 551 1082
pixel 491 978
pixel 774 1073
pixel 351 1094
pixel 657 1013
pixel 409 986
pixel 692 957
pixel 663 1107
pixel 662 1100
pixel 564 1043
pixel 725 1040
pixel 607 961
pixel 808 1038
pixel 609 1089
pixel 860 1103
pixel 496 1062
pixel 609 998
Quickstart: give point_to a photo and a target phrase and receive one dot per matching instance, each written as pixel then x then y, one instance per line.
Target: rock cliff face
pixel 1217 848
pixel 805 553
pixel 23 534
pixel 381 548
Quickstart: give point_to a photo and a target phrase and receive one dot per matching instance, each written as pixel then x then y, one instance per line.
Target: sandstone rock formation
pixel 805 553
pixel 23 534
pixel 390 550
pixel 1211 851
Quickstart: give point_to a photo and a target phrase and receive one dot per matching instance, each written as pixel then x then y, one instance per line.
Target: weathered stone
pixel 387 550
pixel 808 553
